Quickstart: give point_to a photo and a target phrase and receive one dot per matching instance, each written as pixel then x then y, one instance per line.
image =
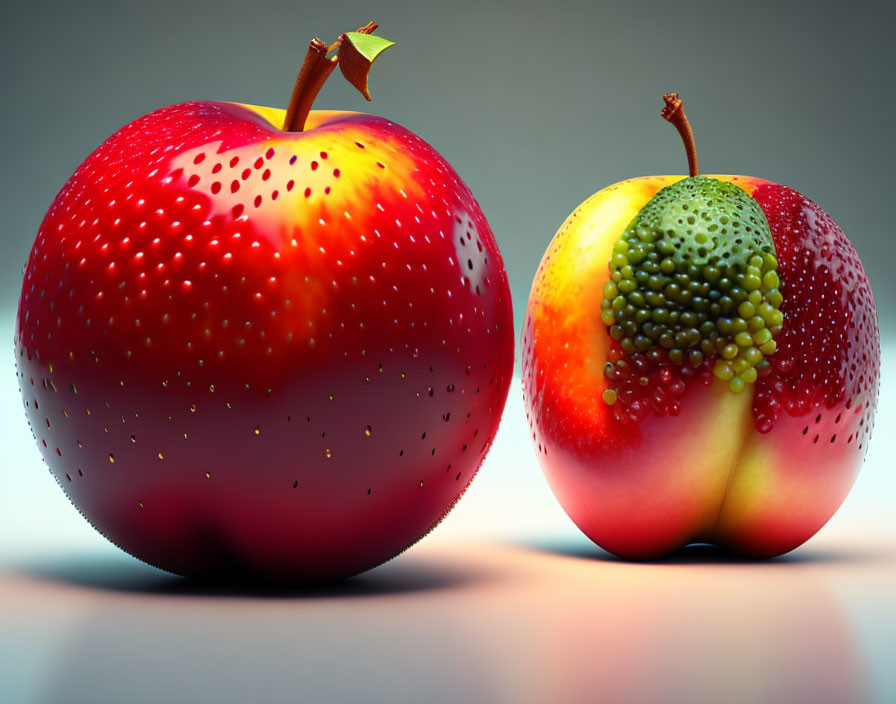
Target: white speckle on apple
pixel 471 255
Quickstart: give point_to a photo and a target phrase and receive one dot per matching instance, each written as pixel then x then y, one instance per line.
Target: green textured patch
pixel 694 273
pixel 701 220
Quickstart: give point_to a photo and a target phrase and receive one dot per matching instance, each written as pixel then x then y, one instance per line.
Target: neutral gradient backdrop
pixel 536 104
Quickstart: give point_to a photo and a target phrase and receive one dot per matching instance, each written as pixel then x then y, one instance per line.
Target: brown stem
pixel 674 113
pixel 315 70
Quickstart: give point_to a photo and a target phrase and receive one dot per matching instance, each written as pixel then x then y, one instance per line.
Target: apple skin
pixel 642 490
pixel 277 354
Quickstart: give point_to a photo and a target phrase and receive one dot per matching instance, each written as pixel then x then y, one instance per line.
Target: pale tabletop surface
pixel 505 602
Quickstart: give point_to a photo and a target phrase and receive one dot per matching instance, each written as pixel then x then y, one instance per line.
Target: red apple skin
pixel 278 354
pixel 759 472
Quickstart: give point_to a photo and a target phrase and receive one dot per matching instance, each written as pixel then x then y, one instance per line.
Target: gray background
pixel 537 105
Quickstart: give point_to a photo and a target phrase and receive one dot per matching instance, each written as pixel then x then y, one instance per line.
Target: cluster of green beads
pixel 695 273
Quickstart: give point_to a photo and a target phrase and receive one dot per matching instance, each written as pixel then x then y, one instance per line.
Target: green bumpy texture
pixel 695 273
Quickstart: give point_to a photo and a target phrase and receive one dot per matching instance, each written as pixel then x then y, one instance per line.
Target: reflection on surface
pixel 453 622
pixel 703 626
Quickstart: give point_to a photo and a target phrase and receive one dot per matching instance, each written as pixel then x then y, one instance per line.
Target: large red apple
pixel 700 364
pixel 280 352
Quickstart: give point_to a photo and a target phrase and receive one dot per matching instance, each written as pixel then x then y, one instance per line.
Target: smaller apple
pixel 700 363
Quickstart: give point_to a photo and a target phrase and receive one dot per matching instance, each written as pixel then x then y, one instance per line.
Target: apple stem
pixel 673 111
pixel 315 70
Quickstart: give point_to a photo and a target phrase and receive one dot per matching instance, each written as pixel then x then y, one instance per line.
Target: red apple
pixel 700 364
pixel 279 352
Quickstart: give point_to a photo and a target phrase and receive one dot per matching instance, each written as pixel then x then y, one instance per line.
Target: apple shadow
pixel 124 574
pixel 704 554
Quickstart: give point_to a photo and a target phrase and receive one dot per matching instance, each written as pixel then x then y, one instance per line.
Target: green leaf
pixel 368 45
pixel 357 52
